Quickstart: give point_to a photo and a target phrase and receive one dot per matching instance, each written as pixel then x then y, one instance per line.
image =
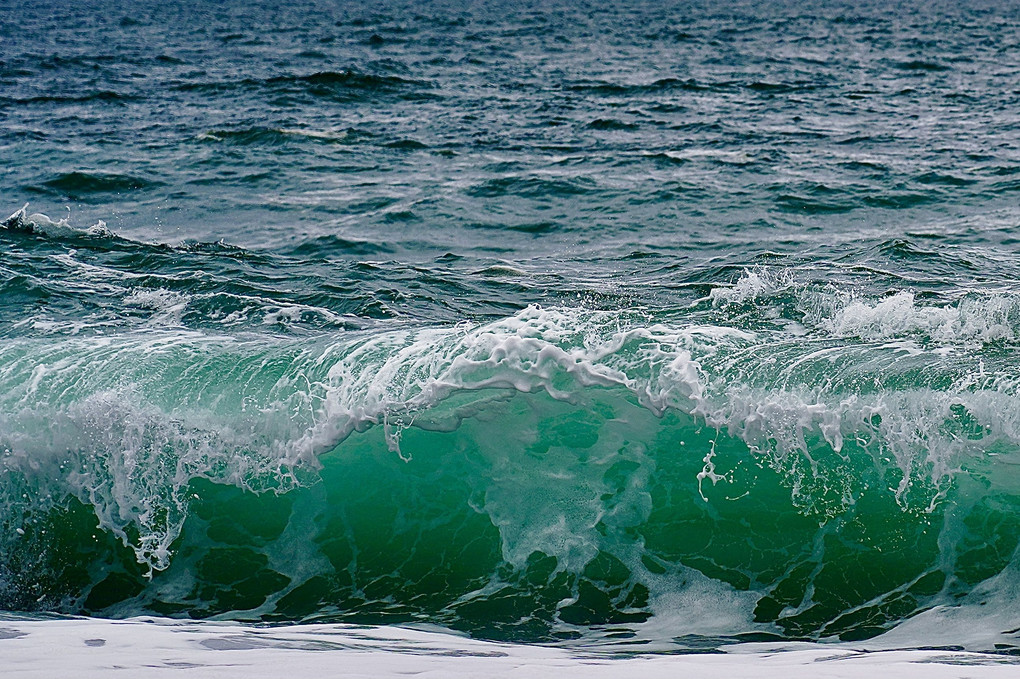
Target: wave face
pixel 529 477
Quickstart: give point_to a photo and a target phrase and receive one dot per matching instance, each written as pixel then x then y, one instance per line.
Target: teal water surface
pixel 657 325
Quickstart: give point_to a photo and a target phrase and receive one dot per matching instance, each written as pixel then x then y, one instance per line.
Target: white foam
pixel 295 313
pixel 981 320
pixel 145 648
pixel 754 283
pixel 554 350
pixel 986 616
pixel 168 306
pixel 40 223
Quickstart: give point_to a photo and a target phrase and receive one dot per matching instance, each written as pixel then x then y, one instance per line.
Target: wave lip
pixel 38 223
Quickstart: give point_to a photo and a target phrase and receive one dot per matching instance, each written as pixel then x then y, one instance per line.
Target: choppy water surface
pixel 670 326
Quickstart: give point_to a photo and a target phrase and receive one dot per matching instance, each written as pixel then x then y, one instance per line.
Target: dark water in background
pixel 651 323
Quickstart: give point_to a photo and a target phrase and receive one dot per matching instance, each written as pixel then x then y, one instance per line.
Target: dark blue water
pixel 687 323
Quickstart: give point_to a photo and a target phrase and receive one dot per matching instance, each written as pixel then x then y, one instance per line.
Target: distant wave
pixel 99 96
pixel 80 183
pixel 345 84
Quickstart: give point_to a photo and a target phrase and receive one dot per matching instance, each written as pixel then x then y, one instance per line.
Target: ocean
pixel 549 335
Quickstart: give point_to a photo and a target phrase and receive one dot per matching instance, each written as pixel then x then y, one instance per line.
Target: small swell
pixel 610 124
pixel 272 136
pixel 781 88
pixel 77 183
pixel 803 205
pixel 534 227
pixel 332 245
pixel 99 96
pixel 406 145
pixel 530 187
pixel 944 179
pixel 667 158
pixel 898 201
pixel 661 85
pixel 920 65
pixel 349 79
pixel 346 84
pixel 899 248
pixel 248 136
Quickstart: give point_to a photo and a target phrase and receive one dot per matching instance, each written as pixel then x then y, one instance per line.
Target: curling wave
pixel 554 468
